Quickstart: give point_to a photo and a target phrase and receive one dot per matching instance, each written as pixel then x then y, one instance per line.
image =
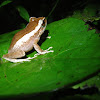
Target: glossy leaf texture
pixel 75 58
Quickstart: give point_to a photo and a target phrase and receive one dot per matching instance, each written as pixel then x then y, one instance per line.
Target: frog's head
pixel 39 23
pixel 39 20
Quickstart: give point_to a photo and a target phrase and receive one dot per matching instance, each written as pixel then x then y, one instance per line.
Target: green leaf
pixel 5 2
pixel 94 81
pixel 76 56
pixel 23 13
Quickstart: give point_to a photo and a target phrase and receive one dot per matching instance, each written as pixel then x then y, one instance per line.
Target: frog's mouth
pixel 43 26
pixel 44 23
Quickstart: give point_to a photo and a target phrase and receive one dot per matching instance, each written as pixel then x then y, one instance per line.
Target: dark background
pixel 11 20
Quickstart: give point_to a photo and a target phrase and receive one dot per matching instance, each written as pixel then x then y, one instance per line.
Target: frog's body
pixel 26 39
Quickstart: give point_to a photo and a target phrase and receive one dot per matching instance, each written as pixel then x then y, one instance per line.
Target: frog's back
pixel 30 27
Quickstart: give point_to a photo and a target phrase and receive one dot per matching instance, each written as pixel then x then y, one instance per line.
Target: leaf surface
pixel 76 56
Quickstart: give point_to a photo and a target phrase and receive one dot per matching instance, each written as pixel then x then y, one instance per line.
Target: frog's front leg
pixel 40 51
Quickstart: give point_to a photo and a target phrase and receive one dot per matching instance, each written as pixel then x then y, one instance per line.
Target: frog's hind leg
pixel 14 54
pixel 11 56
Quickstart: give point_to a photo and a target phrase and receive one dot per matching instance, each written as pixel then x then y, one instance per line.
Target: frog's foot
pixel 16 60
pixel 33 57
pixel 47 51
pixel 48 37
pixel 43 52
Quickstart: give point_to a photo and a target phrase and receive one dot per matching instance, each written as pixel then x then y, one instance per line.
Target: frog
pixel 27 39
